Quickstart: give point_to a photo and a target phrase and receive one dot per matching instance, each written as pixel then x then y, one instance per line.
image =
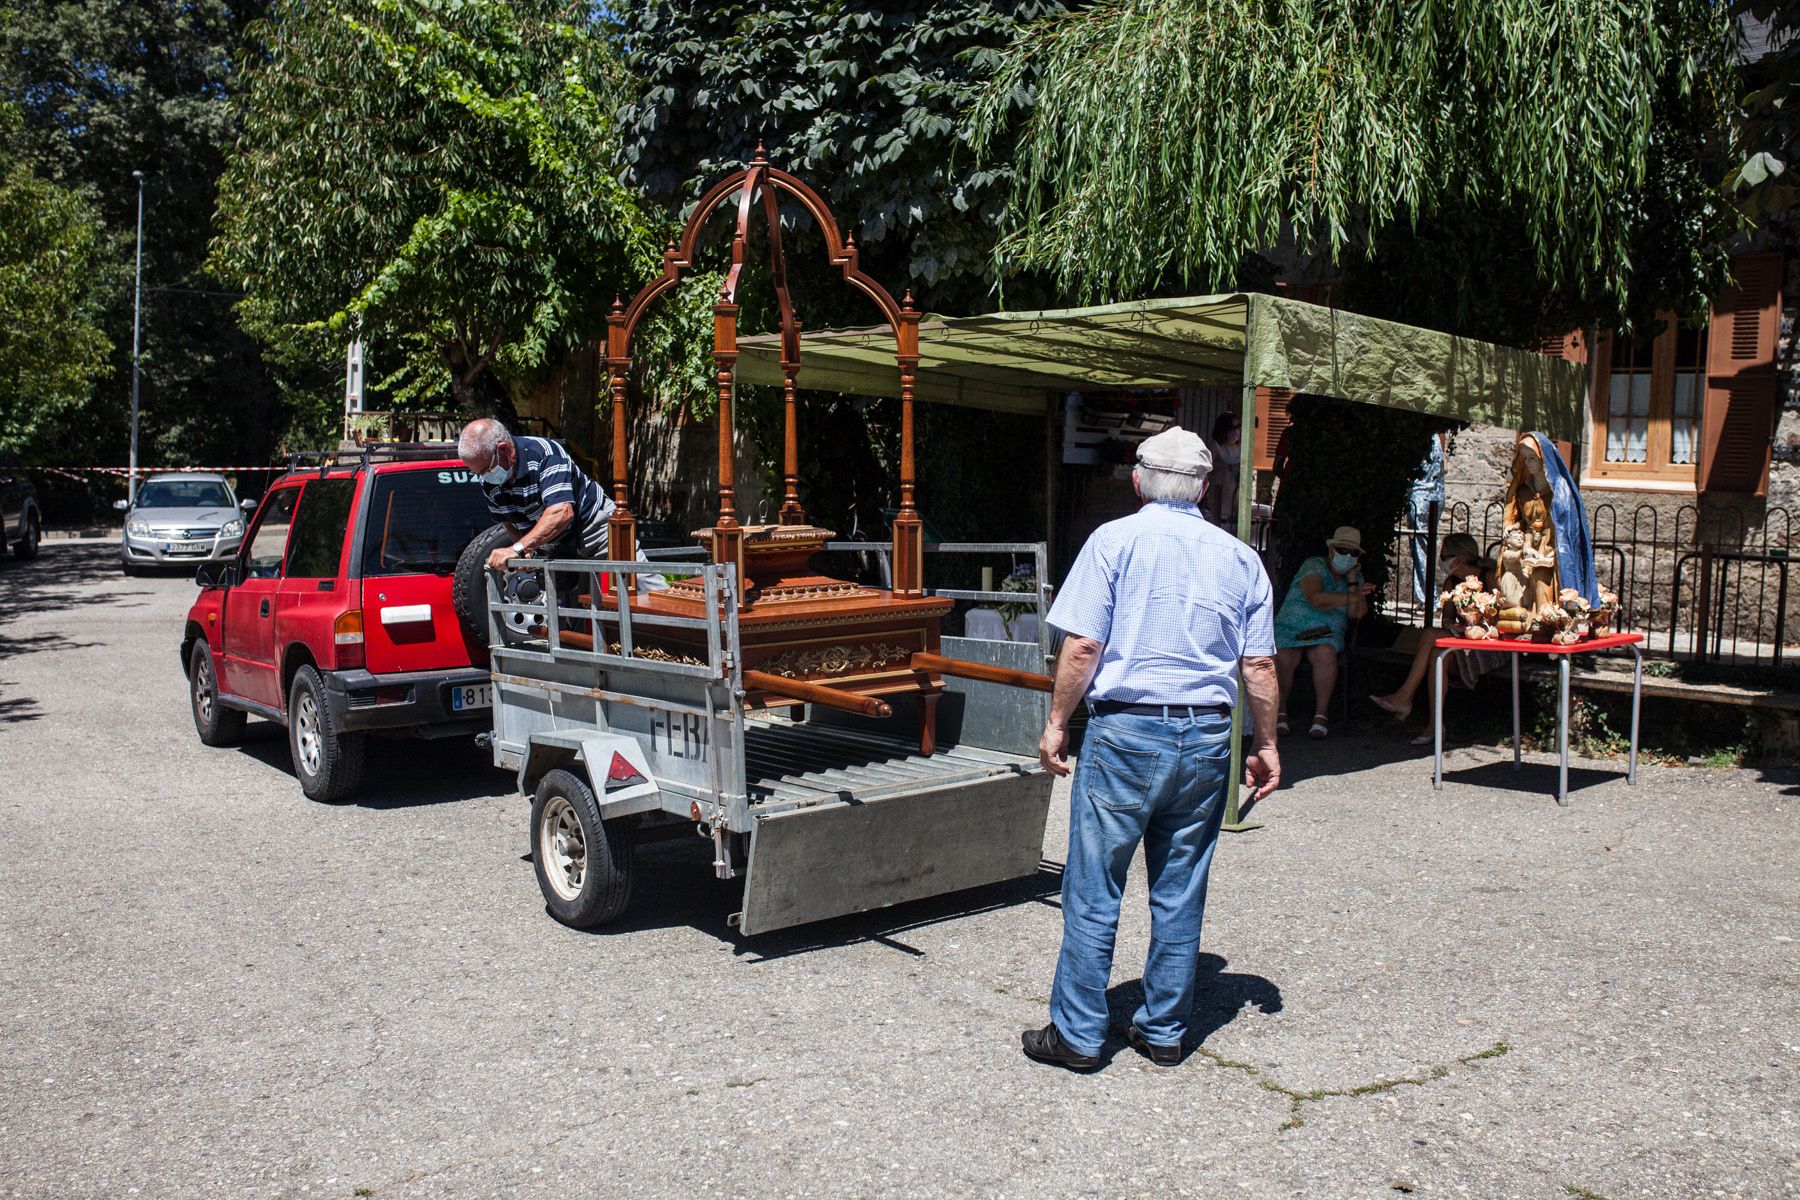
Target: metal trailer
pixel 822 813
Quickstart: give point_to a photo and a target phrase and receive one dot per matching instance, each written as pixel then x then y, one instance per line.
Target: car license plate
pixel 186 547
pixel 480 695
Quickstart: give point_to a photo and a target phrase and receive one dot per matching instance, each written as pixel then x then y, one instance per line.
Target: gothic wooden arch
pixel 761 181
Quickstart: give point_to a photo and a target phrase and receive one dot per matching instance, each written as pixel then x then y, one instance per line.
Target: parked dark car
pixel 21 520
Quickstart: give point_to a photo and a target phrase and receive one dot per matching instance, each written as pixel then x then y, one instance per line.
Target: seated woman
pixel 1459 558
pixel 1326 593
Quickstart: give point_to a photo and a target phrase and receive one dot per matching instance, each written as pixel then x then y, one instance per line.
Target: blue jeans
pixel 1418 511
pixel 1161 782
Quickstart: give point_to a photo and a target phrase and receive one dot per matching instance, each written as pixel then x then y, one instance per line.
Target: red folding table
pixel 1517 649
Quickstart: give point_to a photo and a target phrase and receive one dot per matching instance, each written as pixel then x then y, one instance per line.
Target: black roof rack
pixel 370 452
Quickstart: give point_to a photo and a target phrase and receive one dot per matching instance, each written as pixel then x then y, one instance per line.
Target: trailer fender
pixel 616 768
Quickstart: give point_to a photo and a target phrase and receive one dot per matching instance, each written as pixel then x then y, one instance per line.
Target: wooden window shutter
pixel 1271 423
pixel 1742 387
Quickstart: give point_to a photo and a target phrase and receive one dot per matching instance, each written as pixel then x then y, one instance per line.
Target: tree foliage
pixel 1172 138
pixel 51 348
pixel 1766 179
pixel 104 89
pixel 441 174
pixel 865 101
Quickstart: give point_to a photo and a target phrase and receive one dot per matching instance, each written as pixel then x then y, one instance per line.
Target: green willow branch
pixel 1182 135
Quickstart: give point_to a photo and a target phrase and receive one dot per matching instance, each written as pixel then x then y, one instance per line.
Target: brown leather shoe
pixel 1047 1046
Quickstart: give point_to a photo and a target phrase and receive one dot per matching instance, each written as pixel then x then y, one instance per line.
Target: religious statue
pixel 1545 553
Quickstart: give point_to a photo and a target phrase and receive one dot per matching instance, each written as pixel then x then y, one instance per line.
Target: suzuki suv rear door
pixel 415 525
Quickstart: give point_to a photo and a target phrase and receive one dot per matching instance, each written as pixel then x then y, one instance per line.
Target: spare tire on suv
pixel 468 586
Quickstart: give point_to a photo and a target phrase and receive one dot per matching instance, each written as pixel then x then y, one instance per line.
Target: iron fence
pixel 1707 586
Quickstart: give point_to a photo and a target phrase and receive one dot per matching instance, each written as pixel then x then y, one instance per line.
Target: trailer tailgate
pixel 846 822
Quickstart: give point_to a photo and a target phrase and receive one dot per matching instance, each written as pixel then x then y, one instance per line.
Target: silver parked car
pixel 180 518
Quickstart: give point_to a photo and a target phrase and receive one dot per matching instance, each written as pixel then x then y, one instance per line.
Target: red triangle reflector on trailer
pixel 622 773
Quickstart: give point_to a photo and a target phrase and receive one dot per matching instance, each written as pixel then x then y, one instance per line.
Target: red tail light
pixel 347 637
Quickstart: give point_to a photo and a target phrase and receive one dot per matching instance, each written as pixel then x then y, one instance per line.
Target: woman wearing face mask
pixel 1222 484
pixel 1326 594
pixel 1459 558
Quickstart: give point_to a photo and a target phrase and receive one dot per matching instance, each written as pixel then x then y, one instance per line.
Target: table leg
pixel 1562 723
pixel 1437 723
pixel 1637 694
pixel 1518 758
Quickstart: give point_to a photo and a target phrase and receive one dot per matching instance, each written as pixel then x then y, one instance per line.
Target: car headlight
pixel 231 529
pixel 137 528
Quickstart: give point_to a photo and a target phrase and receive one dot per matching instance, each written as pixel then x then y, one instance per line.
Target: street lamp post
pixel 137 301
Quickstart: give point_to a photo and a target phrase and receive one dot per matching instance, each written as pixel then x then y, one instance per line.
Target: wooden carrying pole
pixel 816 693
pixel 981 671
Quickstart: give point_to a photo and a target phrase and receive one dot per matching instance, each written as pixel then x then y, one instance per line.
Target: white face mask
pixel 1343 564
pixel 495 475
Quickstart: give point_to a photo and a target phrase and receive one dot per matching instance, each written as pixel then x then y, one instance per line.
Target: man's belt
pixel 1106 708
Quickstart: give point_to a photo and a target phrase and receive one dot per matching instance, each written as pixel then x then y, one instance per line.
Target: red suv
pixel 337 616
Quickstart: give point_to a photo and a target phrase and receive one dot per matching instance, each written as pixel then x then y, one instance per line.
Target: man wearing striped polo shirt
pixel 1161 612
pixel 535 489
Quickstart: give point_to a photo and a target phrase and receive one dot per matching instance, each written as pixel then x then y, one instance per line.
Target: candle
pixel 987 579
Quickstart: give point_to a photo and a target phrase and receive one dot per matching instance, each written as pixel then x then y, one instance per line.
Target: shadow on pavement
pixel 62 579
pixel 1219 996
pixel 16 709
pixel 400 772
pixel 676 886
pixel 1536 777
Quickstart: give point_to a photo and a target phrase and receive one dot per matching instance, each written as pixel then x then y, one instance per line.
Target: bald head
pixel 481 443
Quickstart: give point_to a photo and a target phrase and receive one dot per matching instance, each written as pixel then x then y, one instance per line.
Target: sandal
pixel 1424 739
pixel 1388 706
pixel 1281 724
pixel 1319 728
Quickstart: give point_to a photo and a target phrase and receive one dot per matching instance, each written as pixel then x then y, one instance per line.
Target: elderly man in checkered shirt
pixel 1161 612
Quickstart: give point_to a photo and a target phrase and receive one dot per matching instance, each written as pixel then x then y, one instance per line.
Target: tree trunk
pixel 476 392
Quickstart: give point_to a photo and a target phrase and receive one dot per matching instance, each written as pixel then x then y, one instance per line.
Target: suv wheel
pixel 328 762
pixel 584 865
pixel 27 546
pixel 216 724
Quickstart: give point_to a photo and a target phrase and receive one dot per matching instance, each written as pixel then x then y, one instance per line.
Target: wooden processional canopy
pixel 760 182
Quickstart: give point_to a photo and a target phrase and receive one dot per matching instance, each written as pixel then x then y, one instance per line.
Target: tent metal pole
pixel 1246 493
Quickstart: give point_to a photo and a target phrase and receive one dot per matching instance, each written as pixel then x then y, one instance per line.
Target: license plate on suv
pixel 479 695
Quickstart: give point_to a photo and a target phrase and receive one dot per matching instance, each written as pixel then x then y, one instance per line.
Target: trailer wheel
pixel 216 724
pixel 584 865
pixel 328 762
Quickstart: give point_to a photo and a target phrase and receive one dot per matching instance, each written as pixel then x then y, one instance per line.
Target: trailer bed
pixel 794 765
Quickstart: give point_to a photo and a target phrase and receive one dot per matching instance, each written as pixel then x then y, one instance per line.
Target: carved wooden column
pixel 909 539
pixel 728 535
pixel 792 513
pixel 621 526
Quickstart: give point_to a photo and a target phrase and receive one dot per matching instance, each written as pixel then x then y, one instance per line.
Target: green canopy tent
pixel 1017 361
pixel 1011 361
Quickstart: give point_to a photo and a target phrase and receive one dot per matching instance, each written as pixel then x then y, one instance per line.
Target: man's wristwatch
pixel 518 549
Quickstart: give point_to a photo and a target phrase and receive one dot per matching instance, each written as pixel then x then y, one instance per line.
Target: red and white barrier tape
pixel 66 470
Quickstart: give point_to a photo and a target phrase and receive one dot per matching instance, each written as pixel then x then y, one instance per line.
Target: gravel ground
pixel 211 987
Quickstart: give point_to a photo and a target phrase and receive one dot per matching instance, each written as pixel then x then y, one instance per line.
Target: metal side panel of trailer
pixel 845 822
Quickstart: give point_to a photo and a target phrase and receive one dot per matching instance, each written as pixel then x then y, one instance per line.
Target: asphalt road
pixel 210 987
